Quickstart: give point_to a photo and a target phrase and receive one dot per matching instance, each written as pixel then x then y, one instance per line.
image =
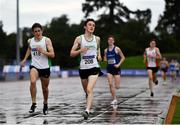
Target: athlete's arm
pixel 50 51
pixel 145 57
pixel 74 50
pixel 121 55
pixel 28 52
pixel 105 58
pixel 158 54
pixel 98 49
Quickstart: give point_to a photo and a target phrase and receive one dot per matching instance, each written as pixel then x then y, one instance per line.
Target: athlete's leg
pixel 150 75
pixel 154 77
pixel 91 83
pixel 175 75
pixel 111 86
pixel 33 91
pixel 163 74
pixel 117 81
pixel 33 79
pixel 84 84
pixel 45 84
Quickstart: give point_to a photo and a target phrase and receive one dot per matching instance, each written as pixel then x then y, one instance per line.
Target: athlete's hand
pixel 83 50
pixel 39 49
pixel 23 63
pixel 99 58
pixel 116 65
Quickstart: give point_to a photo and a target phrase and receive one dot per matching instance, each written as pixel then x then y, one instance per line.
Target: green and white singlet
pixel 38 59
pixel 89 59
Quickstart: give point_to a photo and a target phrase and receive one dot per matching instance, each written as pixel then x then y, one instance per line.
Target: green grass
pixel 136 62
pixel 170 56
pixel 176 118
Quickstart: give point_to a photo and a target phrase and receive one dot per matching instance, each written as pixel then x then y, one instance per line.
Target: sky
pixel 43 11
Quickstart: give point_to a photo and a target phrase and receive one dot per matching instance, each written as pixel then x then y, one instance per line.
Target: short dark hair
pixel 111 36
pixel 36 25
pixel 87 20
pixel 153 39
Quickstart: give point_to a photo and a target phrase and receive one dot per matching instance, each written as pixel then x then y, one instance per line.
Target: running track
pixel 67 101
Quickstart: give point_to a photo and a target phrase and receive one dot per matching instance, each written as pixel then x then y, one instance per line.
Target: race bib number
pixel 35 52
pixel 88 59
pixel 111 61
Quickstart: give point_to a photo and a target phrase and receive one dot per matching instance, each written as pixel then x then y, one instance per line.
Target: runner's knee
pixel 89 90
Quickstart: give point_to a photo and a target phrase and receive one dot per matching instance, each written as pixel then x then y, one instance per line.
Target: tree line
pixel 131 30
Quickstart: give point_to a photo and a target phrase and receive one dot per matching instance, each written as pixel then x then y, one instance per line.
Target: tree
pixel 169 21
pixel 3 38
pixel 169 25
pixel 115 13
pixel 62 35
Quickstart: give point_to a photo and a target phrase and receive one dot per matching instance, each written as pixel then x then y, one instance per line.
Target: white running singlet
pixel 150 55
pixel 38 59
pixel 89 59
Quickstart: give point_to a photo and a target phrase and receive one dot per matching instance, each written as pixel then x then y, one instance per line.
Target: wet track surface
pixel 67 101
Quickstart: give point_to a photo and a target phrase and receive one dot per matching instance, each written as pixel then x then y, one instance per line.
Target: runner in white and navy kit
pixel 114 57
pixel 152 56
pixel 88 47
pixel 41 50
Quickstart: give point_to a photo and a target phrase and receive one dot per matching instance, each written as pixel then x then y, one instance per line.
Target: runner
pixel 88 47
pixel 114 57
pixel 177 67
pixel 164 68
pixel 172 70
pixel 151 57
pixel 41 49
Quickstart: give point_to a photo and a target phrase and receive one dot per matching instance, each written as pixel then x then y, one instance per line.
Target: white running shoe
pixel 114 102
pixel 164 82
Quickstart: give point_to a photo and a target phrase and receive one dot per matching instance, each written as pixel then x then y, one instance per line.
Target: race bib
pixel 111 61
pixel 88 59
pixel 35 52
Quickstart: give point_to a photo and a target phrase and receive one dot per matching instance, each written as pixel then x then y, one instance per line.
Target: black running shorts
pixel 154 69
pixel 42 72
pixel 85 73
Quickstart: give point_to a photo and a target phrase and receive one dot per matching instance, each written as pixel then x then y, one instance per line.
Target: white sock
pixel 87 110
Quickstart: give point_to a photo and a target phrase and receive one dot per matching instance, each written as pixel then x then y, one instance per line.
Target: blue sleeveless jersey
pixel 112 58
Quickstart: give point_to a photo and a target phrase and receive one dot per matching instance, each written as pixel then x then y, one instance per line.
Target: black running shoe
pixel 45 109
pixel 152 94
pixel 156 82
pixel 33 107
pixel 85 114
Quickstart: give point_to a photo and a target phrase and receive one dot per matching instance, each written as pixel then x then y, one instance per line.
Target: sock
pixel 87 110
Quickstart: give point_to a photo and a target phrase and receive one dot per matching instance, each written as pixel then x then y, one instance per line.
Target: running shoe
pixel 45 109
pixel 164 83
pixel 114 102
pixel 152 94
pixel 85 114
pixel 156 82
pixel 33 107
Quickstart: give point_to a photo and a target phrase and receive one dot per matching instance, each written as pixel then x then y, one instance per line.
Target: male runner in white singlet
pixel 41 50
pixel 88 46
